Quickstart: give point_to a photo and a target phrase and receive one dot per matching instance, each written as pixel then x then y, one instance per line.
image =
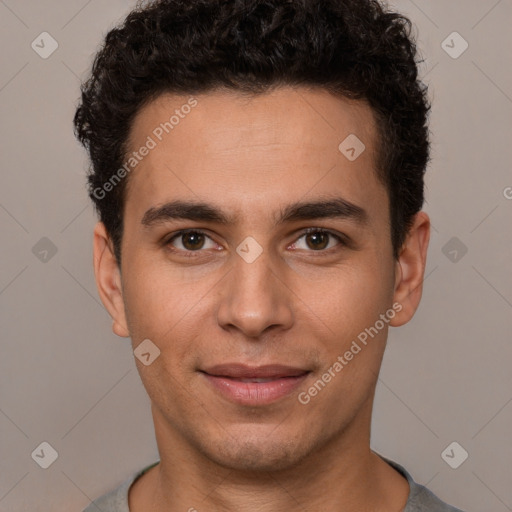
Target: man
pixel 258 167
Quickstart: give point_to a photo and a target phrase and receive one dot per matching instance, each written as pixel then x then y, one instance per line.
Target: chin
pixel 256 458
pixel 256 453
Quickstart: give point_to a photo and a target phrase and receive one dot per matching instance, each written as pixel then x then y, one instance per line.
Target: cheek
pixel 352 349
pixel 345 299
pixel 160 307
pixel 157 295
pixel 173 308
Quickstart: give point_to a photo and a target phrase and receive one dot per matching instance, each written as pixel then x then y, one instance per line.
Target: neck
pixel 342 474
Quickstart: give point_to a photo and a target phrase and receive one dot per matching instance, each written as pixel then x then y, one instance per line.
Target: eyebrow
pixel 336 208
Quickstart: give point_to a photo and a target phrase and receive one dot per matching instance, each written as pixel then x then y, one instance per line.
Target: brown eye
pixel 317 240
pixel 191 241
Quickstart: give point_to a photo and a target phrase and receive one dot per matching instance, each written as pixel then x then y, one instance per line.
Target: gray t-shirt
pixel 420 498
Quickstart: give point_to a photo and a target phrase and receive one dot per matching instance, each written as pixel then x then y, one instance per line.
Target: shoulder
pixel 420 498
pixel 116 500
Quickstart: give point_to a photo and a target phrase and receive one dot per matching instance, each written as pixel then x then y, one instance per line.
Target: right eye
pixel 190 240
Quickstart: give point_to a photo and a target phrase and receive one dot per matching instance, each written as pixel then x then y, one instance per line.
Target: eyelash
pixel 168 243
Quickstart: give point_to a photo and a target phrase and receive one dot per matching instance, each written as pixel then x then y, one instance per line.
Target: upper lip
pixel 242 371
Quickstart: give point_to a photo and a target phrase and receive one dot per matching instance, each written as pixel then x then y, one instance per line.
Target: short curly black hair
pixel 358 49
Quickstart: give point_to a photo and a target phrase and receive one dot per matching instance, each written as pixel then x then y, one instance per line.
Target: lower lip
pixel 255 393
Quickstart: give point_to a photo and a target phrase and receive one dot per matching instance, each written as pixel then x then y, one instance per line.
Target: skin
pixel 295 304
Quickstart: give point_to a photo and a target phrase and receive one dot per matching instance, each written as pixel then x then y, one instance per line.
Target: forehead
pixel 281 116
pixel 252 151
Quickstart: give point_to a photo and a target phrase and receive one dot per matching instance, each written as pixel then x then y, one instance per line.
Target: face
pixel 285 263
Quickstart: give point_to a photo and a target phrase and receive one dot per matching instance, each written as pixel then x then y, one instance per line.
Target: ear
pixel 108 279
pixel 410 269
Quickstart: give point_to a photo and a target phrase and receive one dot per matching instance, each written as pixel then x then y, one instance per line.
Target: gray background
pixel 67 380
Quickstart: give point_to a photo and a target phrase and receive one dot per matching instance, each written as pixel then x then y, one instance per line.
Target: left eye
pixel 317 240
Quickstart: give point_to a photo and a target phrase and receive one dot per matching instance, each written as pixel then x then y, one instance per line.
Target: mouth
pixel 254 385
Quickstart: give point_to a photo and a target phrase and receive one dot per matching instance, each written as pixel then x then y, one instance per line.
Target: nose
pixel 254 297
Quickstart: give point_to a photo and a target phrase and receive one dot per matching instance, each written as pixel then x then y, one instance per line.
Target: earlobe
pixel 108 279
pixel 410 269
